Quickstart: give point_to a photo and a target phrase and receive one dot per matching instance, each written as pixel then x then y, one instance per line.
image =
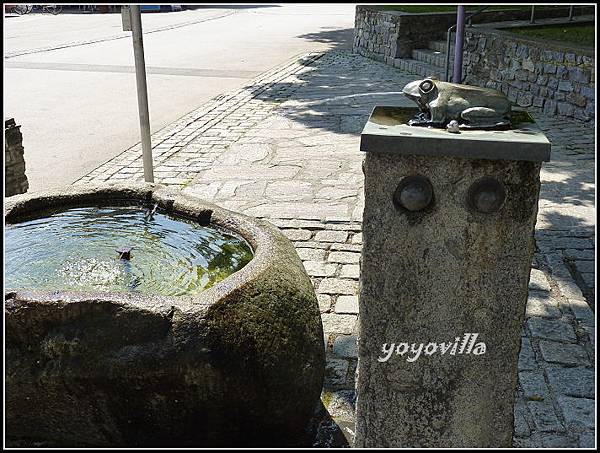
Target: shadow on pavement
pixel 340 38
pixel 229 6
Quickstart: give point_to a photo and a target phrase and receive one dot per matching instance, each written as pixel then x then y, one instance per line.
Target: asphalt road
pixel 69 79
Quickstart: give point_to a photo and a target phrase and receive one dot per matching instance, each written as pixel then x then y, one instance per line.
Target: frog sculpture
pixel 472 107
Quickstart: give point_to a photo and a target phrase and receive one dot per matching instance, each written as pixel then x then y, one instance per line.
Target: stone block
pixel 565 85
pixel 544 417
pixel 297 235
pixel 539 304
pixel 339 324
pixel 336 371
pixel 579 413
pixel 428 276
pixel 565 109
pixel 347 304
pixel 526 356
pixel 562 353
pixel 533 385
pixel 556 330
pixel 579 75
pixel 576 382
pixel 319 268
pixel 331 236
pixel 344 257
pixel 538 281
pixel 350 271
pixel 345 346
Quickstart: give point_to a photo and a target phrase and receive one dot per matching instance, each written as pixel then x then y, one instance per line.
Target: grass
pixel 579 34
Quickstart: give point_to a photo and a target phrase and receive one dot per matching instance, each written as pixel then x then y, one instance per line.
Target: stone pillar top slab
pixel 387 131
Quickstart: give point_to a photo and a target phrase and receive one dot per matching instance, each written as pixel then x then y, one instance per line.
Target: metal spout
pixel 150 212
pixel 125 252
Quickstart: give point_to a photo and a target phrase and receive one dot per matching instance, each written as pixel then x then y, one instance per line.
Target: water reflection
pixel 75 249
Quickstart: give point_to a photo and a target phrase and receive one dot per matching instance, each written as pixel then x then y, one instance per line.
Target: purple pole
pixel 458 46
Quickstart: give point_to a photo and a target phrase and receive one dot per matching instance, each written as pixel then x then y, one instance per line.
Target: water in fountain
pixel 76 249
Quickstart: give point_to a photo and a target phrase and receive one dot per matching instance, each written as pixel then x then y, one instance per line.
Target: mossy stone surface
pixel 240 364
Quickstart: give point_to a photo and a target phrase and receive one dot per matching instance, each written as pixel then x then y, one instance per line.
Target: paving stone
pixel 310 254
pixel 325 302
pixel 331 236
pixel 340 403
pixel 527 356
pixel 544 417
pixel 540 304
pixel 350 271
pixel 586 266
pixel 550 440
pixel 345 346
pixel 346 247
pixel 568 287
pixel 538 281
pixel 338 286
pixel 311 244
pixel 558 330
pixel 586 254
pixel 587 440
pixel 526 442
pixel 581 309
pixel 567 354
pixel 319 268
pixel 589 279
pixel 336 323
pixel 575 382
pixel 297 235
pixel 572 243
pixel 344 257
pixel 577 412
pixel 533 385
pixel 347 304
pixel 521 425
pixel 336 371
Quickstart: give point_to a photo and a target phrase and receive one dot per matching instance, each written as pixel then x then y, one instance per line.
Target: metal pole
pixel 448 36
pixel 458 46
pixel 532 20
pixel 571 12
pixel 142 91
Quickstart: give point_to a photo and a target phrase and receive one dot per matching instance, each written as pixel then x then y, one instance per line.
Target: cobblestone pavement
pixel 285 148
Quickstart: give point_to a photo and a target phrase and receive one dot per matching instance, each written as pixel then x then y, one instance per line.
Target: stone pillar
pixel 448 231
pixel 14 161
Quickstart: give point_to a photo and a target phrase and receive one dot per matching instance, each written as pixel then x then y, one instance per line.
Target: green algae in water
pixel 76 250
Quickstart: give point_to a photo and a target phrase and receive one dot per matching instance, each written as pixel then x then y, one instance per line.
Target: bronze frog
pixel 473 107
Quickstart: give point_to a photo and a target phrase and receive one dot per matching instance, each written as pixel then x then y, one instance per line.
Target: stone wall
pixel 557 78
pixel 14 165
pixel 385 35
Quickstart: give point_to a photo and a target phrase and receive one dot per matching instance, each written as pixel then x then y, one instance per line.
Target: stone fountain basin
pixel 240 364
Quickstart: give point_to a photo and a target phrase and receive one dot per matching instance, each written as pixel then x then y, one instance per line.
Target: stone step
pixel 432 57
pixel 419 68
pixel 440 46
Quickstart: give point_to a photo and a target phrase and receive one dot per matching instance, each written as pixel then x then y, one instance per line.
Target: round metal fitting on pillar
pixel 414 193
pixel 486 195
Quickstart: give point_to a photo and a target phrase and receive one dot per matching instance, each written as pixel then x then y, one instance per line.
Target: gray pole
pixel 458 46
pixel 532 20
pixel 142 91
pixel 571 12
